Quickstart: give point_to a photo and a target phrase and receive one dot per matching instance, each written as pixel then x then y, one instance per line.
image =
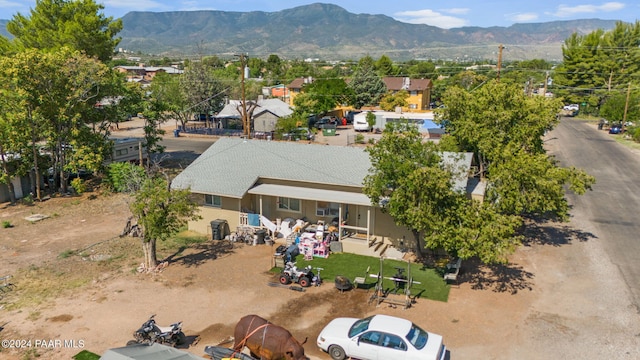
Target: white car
pixel 379 337
pixel 571 107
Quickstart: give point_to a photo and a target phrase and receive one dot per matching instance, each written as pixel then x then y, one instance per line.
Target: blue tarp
pixel 253 219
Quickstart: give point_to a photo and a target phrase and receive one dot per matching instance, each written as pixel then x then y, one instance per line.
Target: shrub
pixel 79 185
pixel 359 139
pixel 124 177
pixel 6 224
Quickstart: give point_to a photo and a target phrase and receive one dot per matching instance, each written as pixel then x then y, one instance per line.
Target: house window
pixel 324 208
pixel 413 106
pixel 212 200
pixel 289 204
pixel 414 93
pixel 121 152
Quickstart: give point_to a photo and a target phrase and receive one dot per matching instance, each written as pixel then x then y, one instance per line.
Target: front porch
pixel 374 247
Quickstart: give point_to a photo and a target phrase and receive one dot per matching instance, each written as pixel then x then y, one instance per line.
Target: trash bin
pixel 291 253
pixel 176 132
pixel 329 130
pixel 261 234
pixel 219 229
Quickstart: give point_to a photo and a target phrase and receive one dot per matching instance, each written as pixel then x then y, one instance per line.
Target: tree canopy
pixel 410 181
pixel 504 129
pixel 365 84
pixel 77 24
pixel 322 95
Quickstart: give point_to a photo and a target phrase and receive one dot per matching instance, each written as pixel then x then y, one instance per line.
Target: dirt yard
pixel 559 296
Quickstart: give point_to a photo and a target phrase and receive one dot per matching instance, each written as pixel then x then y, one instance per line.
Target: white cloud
pixel 567 11
pixel 430 17
pixel 522 17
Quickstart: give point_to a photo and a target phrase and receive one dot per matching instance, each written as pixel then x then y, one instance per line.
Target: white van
pixel 360 122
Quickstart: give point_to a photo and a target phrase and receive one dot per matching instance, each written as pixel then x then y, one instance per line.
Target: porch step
pixel 372 241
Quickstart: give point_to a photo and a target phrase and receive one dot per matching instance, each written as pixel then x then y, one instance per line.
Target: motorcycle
pixel 292 274
pixel 150 333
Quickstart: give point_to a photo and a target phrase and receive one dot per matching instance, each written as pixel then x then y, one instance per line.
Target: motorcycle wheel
pixel 285 279
pixel 304 281
pixel 181 339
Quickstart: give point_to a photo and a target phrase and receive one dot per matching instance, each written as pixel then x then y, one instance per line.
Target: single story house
pixel 265 115
pixel 278 180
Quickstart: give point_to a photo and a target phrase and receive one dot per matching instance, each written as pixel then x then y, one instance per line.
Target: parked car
pixel 299 134
pixel 320 124
pixel 379 337
pixel 571 107
pixel 615 129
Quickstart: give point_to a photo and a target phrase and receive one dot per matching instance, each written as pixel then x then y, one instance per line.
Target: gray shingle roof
pixel 231 166
pixel 275 106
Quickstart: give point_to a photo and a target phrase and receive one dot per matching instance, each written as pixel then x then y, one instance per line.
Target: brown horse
pixel 267 341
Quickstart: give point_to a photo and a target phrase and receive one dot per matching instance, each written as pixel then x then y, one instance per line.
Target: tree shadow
pixel 200 253
pixel 499 278
pixel 541 232
pixel 512 277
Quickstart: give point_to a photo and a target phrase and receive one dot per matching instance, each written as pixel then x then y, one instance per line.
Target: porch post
pixel 368 223
pixel 340 222
pixel 260 204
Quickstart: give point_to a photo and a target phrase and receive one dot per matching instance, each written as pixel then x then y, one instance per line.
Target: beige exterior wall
pixel 228 211
pixel 382 225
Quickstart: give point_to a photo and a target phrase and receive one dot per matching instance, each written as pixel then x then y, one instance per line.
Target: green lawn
pixel 431 285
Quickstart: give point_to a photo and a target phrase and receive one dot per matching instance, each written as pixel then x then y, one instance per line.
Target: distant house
pixel 295 87
pixel 265 115
pixel 145 73
pixel 236 178
pixel 419 91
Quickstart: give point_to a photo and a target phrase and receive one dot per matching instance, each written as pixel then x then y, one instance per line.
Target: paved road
pixel 614 204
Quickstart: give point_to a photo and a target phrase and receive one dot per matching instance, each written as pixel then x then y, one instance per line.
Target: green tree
pixel 371 119
pixel 422 70
pixel 504 129
pixel 58 91
pixel 14 140
pixel 160 212
pixel 366 85
pixel 614 106
pixel 323 95
pixel 598 62
pixel 384 66
pixel 79 25
pixel 410 182
pixel 390 101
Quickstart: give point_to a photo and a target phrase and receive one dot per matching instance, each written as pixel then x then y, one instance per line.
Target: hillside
pixel 330 32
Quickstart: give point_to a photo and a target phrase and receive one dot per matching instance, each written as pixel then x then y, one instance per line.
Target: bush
pixel 124 177
pixel 6 224
pixel 359 139
pixel 79 185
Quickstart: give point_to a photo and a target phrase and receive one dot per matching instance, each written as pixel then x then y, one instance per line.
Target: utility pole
pixel 546 82
pixel 246 123
pixel 626 108
pixel 500 48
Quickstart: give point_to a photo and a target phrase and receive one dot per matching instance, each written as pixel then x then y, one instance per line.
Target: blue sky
pixel 441 13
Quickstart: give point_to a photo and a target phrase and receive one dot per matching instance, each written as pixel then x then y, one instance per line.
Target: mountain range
pixel 329 32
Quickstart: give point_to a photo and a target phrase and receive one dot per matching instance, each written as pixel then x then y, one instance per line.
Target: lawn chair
pixel 357 281
pixel 453 270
